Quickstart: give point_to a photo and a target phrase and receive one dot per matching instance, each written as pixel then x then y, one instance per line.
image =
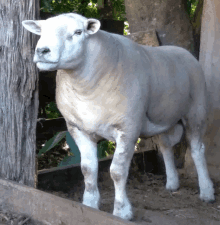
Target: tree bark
pixel 168 18
pixel 18 92
pixel 210 62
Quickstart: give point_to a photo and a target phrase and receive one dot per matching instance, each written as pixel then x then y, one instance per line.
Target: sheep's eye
pixel 78 32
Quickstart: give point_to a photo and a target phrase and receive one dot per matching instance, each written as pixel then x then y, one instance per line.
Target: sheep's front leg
pixel 119 173
pixel 89 166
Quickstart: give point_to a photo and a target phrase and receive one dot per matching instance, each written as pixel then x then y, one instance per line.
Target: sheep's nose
pixel 43 51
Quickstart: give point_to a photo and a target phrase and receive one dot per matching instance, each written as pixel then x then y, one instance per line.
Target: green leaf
pixel 52 142
pixel 75 156
pixel 82 7
pixel 52 110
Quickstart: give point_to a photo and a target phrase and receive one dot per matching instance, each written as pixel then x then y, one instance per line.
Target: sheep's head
pixel 61 45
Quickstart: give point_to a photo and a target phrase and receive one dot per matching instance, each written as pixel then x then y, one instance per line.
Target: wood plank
pixel 142 153
pixel 51 209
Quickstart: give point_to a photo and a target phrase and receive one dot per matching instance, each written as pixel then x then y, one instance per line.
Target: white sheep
pixel 110 87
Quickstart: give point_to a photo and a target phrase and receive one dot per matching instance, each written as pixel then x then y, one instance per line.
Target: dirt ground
pixel 152 204
pixel 8 217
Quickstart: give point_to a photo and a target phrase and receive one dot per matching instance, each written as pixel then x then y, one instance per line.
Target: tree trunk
pixel 210 61
pixel 169 18
pixel 18 92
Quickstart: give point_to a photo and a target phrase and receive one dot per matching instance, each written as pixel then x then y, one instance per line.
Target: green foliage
pixel 52 111
pixel 106 148
pixel 118 9
pixel 54 158
pixel 87 8
pixel 92 11
pixel 52 142
pixel 191 7
pixel 65 6
pixel 126 28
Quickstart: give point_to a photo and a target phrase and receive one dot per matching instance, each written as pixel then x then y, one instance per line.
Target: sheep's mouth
pixel 46 66
pixel 46 62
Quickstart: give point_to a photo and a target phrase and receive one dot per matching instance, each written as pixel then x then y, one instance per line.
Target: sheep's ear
pixel 34 26
pixel 92 26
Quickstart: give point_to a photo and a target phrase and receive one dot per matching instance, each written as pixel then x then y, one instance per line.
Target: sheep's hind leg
pixel 197 147
pixel 195 126
pixel 166 142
